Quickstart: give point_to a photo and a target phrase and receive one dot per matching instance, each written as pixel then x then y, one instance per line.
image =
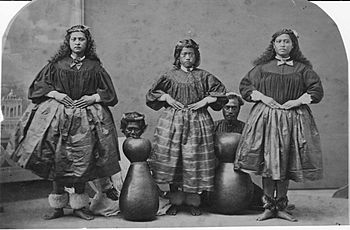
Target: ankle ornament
pixel 281 203
pixel 269 203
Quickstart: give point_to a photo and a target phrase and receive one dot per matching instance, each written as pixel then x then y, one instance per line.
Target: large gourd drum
pixel 233 190
pixel 139 198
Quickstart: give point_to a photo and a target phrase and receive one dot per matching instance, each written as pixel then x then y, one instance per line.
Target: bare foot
pixel 172 210
pixel 267 214
pixel 83 213
pixel 54 214
pixel 195 211
pixel 284 215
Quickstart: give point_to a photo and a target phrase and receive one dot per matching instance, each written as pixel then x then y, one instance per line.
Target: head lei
pixel 132 117
pixel 232 95
pixel 90 46
pixel 294 36
pixel 186 43
pixel 78 28
pixel 65 51
pixel 295 53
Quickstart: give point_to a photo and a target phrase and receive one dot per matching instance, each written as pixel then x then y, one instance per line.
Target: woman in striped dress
pixel 183 147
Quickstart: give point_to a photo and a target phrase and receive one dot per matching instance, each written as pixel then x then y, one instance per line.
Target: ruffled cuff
pixel 152 99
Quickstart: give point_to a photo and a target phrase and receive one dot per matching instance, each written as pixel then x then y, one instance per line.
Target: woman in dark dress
pixel 69 135
pixel 280 140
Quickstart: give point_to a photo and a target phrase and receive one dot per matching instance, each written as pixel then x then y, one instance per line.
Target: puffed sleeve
pixel 160 87
pixel 249 83
pixel 42 84
pixel 218 90
pixel 313 85
pixel 106 89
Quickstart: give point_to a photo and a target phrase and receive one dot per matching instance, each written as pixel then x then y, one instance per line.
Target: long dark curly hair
pixel 295 54
pixel 186 43
pixel 64 50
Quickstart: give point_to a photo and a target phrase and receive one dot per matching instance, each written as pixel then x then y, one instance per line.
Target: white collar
pixel 278 57
pixel 77 58
pixel 186 69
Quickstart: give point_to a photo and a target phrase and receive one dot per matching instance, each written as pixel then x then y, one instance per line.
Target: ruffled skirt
pixel 280 144
pixel 183 150
pixel 73 144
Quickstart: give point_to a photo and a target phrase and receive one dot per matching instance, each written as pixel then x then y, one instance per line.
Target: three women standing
pixel 70 137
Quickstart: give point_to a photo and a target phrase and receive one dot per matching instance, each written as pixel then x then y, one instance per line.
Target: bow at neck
pixel 78 62
pixel 282 61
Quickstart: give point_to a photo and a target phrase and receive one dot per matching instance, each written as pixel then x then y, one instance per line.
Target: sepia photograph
pixel 174 114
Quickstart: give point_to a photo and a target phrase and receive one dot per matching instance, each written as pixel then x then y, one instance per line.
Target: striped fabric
pixel 183 151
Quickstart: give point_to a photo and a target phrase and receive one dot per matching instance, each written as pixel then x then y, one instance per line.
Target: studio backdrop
pixel 135 41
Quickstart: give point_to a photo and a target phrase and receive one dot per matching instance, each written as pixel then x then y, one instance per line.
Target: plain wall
pixel 136 38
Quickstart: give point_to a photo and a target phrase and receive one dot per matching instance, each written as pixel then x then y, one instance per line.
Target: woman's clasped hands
pixel 194 106
pixel 81 103
pixel 171 101
pixel 269 101
pixel 85 101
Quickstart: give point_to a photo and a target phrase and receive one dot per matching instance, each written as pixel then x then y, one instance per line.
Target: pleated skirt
pixel 183 150
pixel 280 144
pixel 73 144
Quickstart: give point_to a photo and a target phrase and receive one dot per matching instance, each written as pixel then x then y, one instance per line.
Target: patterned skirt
pixel 280 144
pixel 73 144
pixel 183 150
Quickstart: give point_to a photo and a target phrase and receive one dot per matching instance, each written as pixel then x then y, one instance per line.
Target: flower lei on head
pixel 238 96
pixel 290 31
pixel 187 43
pixel 133 116
pixel 295 33
pixel 78 28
